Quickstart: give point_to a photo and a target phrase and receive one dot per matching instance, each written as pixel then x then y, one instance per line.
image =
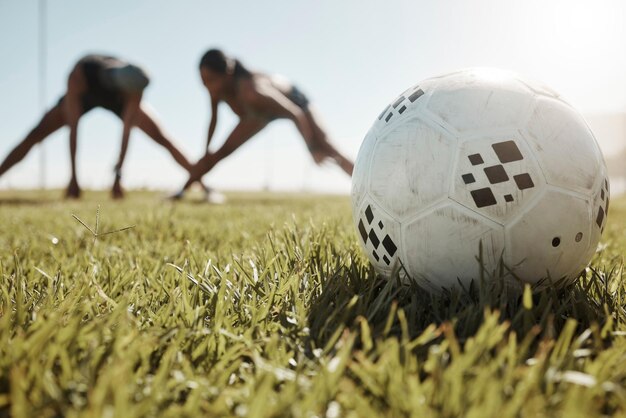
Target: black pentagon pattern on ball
pixel 362 230
pixel 468 178
pixel 388 245
pixel 496 174
pixel 506 152
pixel 483 197
pixel 416 93
pixel 374 238
pixel 475 159
pixel 524 181
pixel 603 209
pixel 600 217
pixel 369 214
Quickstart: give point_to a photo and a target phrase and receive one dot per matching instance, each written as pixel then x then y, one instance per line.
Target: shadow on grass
pixel 392 308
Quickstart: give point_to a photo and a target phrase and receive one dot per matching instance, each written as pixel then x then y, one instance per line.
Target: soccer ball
pixel 479 174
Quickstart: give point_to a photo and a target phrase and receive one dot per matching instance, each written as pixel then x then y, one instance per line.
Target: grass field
pixel 265 306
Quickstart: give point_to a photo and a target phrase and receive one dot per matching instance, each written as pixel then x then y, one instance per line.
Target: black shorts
pixel 89 101
pixel 299 98
pixel 100 91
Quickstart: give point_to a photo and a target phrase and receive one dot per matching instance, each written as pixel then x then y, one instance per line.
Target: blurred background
pixel 351 57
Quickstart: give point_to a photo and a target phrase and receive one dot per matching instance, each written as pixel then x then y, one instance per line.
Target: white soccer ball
pixel 479 174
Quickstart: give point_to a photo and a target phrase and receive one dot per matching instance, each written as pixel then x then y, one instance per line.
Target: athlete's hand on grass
pixel 73 190
pixel 117 192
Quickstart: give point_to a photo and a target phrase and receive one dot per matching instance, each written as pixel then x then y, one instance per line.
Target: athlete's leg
pixel 147 123
pixel 322 147
pixel 49 123
pixel 73 190
pixel 73 110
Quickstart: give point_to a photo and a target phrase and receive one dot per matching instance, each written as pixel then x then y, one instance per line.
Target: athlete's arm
pixel 245 129
pixel 213 122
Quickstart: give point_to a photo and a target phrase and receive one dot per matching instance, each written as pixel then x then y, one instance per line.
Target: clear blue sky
pixel 351 57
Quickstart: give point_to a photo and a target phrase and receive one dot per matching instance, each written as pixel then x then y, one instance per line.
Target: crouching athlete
pixel 257 99
pixel 109 83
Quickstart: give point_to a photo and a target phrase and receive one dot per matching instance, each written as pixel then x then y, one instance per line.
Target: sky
pixel 351 57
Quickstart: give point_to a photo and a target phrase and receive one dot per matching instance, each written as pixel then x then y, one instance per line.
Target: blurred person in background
pixel 98 81
pixel 257 99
